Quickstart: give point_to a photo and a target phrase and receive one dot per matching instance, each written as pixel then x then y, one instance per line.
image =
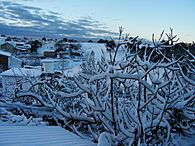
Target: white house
pixel 51 65
pixel 14 62
pixel 22 46
pixel 15 47
pixel 8 61
pixel 18 77
pixel 4 60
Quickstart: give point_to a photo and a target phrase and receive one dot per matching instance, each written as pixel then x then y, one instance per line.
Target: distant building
pixel 51 65
pixel 15 47
pixel 8 61
pixel 50 54
pixel 18 77
pixel 23 47
pixel 14 62
pixel 8 47
pixel 72 49
pixel 4 61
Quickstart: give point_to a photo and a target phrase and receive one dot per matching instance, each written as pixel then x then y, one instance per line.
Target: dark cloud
pixel 24 20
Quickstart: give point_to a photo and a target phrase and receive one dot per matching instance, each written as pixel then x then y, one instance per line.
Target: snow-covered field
pixel 98 48
pixel 39 136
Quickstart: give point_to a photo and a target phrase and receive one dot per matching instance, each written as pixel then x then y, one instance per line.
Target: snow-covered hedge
pixel 134 95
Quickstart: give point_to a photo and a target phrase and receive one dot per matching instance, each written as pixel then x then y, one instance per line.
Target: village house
pixel 50 65
pixel 8 47
pixel 23 47
pixel 71 49
pixel 15 47
pixel 8 61
pixel 65 66
pixel 4 60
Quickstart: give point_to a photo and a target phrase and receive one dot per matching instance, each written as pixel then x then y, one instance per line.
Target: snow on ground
pixel 74 69
pixel 22 72
pixel 39 136
pixel 96 47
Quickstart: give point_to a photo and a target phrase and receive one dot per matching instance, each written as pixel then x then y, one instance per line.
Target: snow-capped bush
pixel 140 98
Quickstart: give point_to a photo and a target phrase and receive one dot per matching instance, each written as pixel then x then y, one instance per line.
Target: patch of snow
pixel 96 47
pixel 5 53
pixel 22 72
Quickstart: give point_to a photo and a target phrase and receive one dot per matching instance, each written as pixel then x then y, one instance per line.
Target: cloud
pixel 18 19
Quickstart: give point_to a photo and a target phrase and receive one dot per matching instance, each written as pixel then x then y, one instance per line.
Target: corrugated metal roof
pixel 39 136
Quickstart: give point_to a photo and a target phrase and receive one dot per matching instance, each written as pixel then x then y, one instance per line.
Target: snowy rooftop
pixel 22 72
pixel 49 46
pixel 39 136
pixel 51 60
pixel 2 40
pixel 18 45
pixel 5 53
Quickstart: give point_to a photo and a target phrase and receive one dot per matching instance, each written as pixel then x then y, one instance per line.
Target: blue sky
pixel 97 18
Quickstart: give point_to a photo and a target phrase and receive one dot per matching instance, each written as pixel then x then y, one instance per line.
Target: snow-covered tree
pixel 134 95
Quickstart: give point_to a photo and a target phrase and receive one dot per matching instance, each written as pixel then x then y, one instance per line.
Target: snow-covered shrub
pixel 136 95
pixel 7 117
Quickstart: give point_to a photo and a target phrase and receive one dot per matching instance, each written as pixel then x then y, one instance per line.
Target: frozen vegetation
pixel 134 93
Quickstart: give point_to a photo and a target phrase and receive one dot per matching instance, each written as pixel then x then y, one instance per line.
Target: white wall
pixel 14 62
pixel 52 66
pixel 48 67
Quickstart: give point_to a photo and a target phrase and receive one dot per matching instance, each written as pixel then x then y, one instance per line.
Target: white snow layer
pixel 96 47
pixel 39 136
pixel 22 72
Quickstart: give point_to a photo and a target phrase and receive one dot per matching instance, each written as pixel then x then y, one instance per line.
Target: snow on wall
pixel 14 62
pixel 51 65
pixel 22 72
